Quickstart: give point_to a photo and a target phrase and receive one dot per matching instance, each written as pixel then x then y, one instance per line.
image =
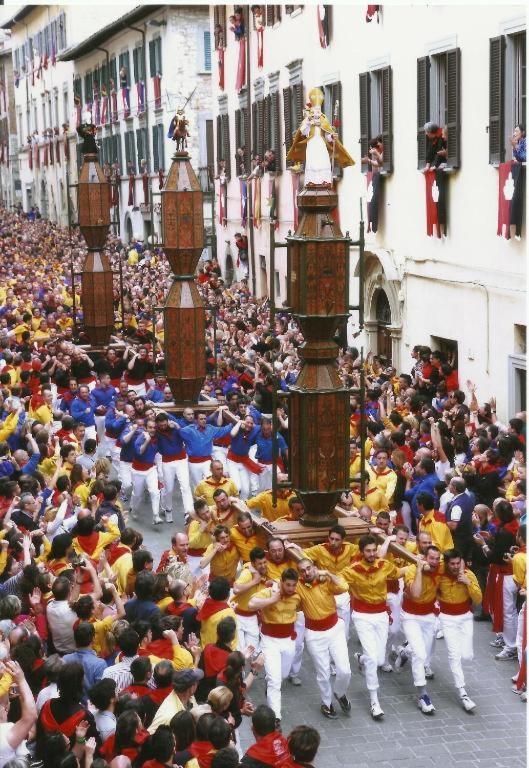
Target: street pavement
pixel 494 736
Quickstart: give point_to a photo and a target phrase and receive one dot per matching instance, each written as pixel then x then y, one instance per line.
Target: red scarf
pixel 67 727
pixel 177 609
pixel 139 690
pixel 214 659
pixel 161 648
pixel 108 749
pixel 210 608
pixel 159 694
pixel 204 752
pixel 115 552
pixel 271 750
pixel 89 543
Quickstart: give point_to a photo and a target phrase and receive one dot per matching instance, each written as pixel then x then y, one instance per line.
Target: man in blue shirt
pixel 145 472
pixel 198 438
pixel 174 465
pixel 263 453
pixel 104 395
pixel 243 470
pixel 93 666
pixel 83 409
pixel 424 479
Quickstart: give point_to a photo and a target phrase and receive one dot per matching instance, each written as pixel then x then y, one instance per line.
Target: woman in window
pixel 519 152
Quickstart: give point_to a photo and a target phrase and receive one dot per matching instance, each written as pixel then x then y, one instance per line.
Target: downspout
pixel 148 142
pixel 249 141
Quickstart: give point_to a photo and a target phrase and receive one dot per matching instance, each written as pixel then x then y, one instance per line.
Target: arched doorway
pixel 383 320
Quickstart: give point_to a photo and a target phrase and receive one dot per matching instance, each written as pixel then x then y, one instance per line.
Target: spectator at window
pixel 375 154
pixel 437 143
pixel 519 152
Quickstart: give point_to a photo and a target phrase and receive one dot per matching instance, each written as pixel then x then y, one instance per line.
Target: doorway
pixel 383 320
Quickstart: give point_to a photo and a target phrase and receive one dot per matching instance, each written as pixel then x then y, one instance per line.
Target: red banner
pixel 160 179
pixel 157 88
pixel 372 10
pixel 145 184
pixel 131 189
pixel 435 184
pixel 115 194
pixel 58 150
pixel 221 205
pixel 260 46
pixel 323 25
pixel 511 177
pixel 220 62
pixel 241 66
pixel 295 187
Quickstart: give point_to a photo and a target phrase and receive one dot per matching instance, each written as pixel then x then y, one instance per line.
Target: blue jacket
pixel 426 484
pixel 79 413
pixel 199 442
pixel 104 395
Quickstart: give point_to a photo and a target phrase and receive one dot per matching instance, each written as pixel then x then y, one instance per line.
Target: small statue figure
pixel 178 130
pixel 316 144
pixel 87 131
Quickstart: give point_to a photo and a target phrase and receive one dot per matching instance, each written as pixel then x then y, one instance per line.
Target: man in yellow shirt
pixel 458 590
pixel 368 583
pixel 245 536
pixel 433 522
pixel 263 503
pixel 207 487
pixel 214 609
pixel 185 683
pixel 200 533
pixel 334 556
pixel 324 634
pixel 278 606
pixel 382 476
pixel 375 498
pixel 221 556
pixel 418 622
pixel 252 578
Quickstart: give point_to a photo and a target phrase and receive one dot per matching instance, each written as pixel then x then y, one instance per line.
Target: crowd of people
pixel 111 659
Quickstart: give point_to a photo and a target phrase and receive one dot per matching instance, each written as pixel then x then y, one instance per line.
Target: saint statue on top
pixel 316 144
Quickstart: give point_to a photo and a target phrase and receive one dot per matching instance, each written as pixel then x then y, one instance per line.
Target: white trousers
pixel 522 618
pixel 394 601
pixel 265 478
pixel 459 634
pixel 343 609
pixel 510 615
pixel 198 472
pixel 115 451
pixel 278 654
pixel 420 634
pixel 102 446
pixel 326 646
pixel 247 632
pixel 140 389
pixel 125 476
pixel 372 631
pixel 247 482
pixel 299 629
pixel 176 470
pixel 90 433
pixel 141 479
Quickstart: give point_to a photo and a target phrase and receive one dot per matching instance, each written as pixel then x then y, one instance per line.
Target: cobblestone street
pixel 492 737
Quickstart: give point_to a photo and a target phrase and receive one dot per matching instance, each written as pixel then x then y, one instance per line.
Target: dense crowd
pixel 111 659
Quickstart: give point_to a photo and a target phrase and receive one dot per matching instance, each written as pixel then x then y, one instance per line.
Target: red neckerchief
pixel 141 689
pixel 89 543
pixel 177 609
pixel 161 648
pixel 159 694
pixel 67 727
pixel 512 527
pixel 214 659
pixel 116 551
pixel 211 607
pixel 203 751
pixel 271 750
pixel 380 474
pixel 361 568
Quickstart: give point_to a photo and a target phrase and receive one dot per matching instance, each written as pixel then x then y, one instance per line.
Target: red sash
pixel 455 609
pixel 493 597
pixel 174 457
pixel 141 466
pixel 320 625
pixel 67 727
pixel 278 630
pixel 362 607
pixel 418 609
pixel 246 461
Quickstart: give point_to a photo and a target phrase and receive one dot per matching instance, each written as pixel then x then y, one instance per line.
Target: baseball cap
pixel 184 678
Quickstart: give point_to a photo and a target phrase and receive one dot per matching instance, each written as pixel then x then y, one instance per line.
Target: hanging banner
pixel 241 66
pixel 221 204
pixel 30 157
pixel 374 188
pixel 66 145
pixel 511 178
pixel 114 105
pixel 125 98
pixel 145 185
pixel 37 156
pixel 131 189
pixel 295 188
pixel 160 179
pixel 96 110
pixel 372 10
pixel 115 193
pixel 260 45
pixel 57 147
pixel 157 89
pixel 244 201
pixel 436 189
pixel 140 93
pixel 257 202
pixel 272 195
pixel 45 162
pixel 323 25
pixel 52 158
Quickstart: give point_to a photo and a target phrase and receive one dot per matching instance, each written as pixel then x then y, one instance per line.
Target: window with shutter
pixel 113 74
pixel 219 140
pixel 245 114
pixel 226 144
pixel 287 117
pixel 423 107
pixel 365 114
pixel 155 156
pixel 260 131
pixel 273 14
pixel 255 140
pixel 453 107
pixel 387 117
pixel 207 51
pixel 124 63
pixel 298 104
pixel 62 31
pixel 219 25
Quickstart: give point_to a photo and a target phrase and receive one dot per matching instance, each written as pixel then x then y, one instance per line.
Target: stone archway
pixel 382 302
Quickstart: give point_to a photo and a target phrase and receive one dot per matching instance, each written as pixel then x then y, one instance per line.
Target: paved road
pixel 493 736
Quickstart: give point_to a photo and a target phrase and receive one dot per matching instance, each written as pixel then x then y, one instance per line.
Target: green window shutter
pixel 423 107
